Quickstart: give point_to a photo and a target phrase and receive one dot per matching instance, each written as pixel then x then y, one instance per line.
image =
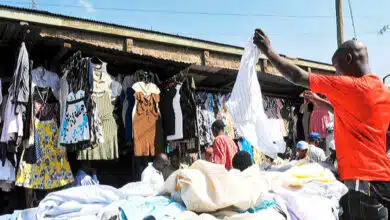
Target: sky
pixel 297 28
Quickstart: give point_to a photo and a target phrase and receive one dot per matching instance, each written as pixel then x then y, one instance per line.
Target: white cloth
pixel 43 78
pixel 116 89
pixel 13 124
pixel 246 106
pixel 7 172
pixel 78 202
pixel 208 187
pixel 178 116
pixel 147 90
pixel 153 177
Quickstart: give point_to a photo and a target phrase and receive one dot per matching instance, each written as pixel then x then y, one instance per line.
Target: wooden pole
pixel 339 22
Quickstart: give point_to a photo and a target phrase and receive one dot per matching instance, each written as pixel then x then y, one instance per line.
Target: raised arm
pixel 292 72
pixel 318 100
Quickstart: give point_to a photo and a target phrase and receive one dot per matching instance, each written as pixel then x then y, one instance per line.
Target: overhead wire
pixel 205 13
pixel 179 12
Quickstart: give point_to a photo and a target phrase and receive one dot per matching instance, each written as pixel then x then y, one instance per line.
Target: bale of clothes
pixel 204 191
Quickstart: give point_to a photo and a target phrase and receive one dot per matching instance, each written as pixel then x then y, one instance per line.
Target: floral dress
pixel 52 170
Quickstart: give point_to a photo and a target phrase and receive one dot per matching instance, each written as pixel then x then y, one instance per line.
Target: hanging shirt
pixel 361 119
pixel 224 150
pixel 246 106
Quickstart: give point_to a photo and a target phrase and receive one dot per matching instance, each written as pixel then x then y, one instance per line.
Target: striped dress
pixel 109 149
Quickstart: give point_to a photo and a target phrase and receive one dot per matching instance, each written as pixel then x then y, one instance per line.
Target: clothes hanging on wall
pixel 305 110
pixel 319 119
pixel 168 93
pixel 20 86
pixel 102 96
pixel 147 128
pixel 188 108
pixel 178 118
pixel 128 105
pixel 75 105
pixel 44 165
pixel 212 107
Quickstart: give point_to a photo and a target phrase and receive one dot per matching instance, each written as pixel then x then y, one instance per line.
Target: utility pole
pixel 33 4
pixel 340 22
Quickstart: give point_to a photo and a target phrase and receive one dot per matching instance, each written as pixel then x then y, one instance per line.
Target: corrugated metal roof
pixel 21 9
pixel 112 24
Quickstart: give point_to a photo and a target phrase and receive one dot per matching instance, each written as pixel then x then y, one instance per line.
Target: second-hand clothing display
pixel 178 134
pixel 75 104
pixel 44 165
pixel 101 96
pixel 109 149
pixel 147 125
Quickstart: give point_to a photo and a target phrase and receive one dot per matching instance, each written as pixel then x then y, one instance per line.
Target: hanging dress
pixel 102 96
pixel 52 170
pixel 109 149
pixel 148 138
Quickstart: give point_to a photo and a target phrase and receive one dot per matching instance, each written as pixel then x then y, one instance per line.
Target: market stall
pixel 84 98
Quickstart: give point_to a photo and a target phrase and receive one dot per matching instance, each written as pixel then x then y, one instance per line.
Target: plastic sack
pixel 246 107
pixel 208 187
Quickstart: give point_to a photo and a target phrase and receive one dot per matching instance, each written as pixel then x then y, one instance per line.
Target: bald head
pixel 351 58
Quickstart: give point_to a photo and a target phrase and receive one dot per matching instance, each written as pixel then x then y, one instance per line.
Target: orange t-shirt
pixel 361 119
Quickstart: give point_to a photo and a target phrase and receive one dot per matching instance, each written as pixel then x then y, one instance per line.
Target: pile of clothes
pixel 204 191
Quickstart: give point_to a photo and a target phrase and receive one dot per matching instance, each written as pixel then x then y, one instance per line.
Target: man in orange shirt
pixel 361 104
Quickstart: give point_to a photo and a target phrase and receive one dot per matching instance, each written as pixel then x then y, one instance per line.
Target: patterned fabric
pixel 97 136
pixel 75 127
pixel 109 149
pixel 53 169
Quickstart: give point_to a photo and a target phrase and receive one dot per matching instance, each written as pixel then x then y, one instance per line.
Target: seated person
pixel 86 176
pixel 152 174
pixel 173 165
pixel 310 153
pixel 242 160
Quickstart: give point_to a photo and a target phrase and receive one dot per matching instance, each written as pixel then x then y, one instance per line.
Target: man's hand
pixel 317 100
pixel 261 40
pixel 311 96
pixel 292 72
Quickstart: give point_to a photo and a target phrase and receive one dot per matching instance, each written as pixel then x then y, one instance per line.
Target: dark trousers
pixel 360 206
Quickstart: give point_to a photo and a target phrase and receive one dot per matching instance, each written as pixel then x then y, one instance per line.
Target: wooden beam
pixel 64 49
pixel 129 44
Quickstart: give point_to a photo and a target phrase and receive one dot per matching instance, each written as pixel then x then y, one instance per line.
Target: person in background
pixel 173 165
pixel 310 153
pixel 314 139
pixel 152 174
pixel 242 160
pixel 361 104
pixel 86 176
pixel 224 148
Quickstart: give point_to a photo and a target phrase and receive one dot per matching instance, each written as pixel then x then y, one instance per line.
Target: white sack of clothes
pixel 78 202
pixel 138 189
pixel 310 189
pixel 208 187
pixel 246 107
pixel 267 214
